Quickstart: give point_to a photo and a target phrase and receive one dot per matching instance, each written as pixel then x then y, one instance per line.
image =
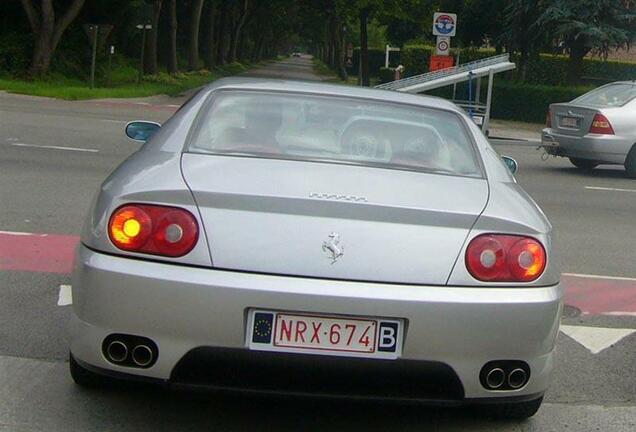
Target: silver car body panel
pixel 182 310
pixel 407 231
pixel 404 246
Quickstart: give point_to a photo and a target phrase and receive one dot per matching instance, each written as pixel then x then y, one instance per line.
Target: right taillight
pixel 601 125
pixel 153 229
pixel 505 258
pixel 548 119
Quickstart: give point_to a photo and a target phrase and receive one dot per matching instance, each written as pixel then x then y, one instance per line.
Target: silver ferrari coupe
pixel 314 239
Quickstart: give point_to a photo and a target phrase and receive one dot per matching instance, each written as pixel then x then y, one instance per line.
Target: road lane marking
pixel 18 144
pixel 609 189
pixel 65 296
pixel 589 276
pixel 596 339
pixel 16 233
pixel 620 313
pixel 114 121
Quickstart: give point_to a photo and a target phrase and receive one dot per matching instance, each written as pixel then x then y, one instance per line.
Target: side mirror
pixel 141 131
pixel 512 164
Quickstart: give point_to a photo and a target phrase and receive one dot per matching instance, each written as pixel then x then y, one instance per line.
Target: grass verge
pixel 122 83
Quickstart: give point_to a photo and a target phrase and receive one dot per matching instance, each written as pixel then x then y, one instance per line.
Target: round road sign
pixel 444 24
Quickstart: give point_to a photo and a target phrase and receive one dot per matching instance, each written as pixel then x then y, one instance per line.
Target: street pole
pixel 111 51
pixel 95 31
pixel 143 47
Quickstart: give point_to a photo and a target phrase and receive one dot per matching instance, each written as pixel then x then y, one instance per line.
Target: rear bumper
pixel 609 149
pixel 451 331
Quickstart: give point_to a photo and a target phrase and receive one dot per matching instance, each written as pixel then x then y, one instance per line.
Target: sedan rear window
pixel 334 129
pixel 609 96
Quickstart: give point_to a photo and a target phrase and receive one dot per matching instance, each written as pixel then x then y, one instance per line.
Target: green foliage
pixel 14 52
pixel 591 25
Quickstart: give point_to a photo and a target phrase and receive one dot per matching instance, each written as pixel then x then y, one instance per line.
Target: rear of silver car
pixel 351 247
pixel 597 128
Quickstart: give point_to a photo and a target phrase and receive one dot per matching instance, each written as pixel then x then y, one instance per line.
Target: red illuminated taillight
pixel 505 258
pixel 601 125
pixel 548 119
pixel 153 229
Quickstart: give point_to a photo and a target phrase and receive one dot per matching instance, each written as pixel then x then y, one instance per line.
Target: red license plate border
pixel 400 324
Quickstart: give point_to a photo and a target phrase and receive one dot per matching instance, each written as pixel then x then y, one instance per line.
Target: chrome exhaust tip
pixel 517 378
pixel 117 351
pixel 142 355
pixel 495 378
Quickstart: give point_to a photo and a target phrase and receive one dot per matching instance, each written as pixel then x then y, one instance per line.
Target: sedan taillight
pixel 153 229
pixel 505 258
pixel 548 119
pixel 601 125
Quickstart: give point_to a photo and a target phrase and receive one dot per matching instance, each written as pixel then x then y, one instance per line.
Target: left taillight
pixel 505 258
pixel 601 125
pixel 153 229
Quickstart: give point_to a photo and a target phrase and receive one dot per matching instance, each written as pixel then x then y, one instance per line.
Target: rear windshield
pixel 609 96
pixel 340 130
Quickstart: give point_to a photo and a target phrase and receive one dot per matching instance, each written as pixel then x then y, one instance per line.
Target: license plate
pixel 569 122
pixel 324 334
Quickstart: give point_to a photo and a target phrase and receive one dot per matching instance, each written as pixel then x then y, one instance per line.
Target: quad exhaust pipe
pixel 504 375
pixel 142 355
pixel 130 351
pixel 117 351
pixel 517 378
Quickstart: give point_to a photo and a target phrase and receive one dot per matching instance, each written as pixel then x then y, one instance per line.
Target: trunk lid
pixel 331 220
pixel 570 119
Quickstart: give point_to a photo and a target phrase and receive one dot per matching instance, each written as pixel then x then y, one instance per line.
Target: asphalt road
pixel 53 157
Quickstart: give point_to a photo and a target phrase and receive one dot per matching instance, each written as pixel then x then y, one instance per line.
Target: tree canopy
pixel 190 34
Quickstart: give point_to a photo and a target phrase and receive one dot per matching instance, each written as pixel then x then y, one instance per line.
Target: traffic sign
pixel 443 45
pixel 444 24
pixel 440 62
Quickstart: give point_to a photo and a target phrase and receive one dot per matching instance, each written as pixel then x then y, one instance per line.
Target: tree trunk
pixel 173 63
pixel 578 51
pixel 195 21
pixel 221 25
pixel 47 32
pixel 210 48
pixel 236 31
pixel 150 60
pixel 364 47
pixel 257 55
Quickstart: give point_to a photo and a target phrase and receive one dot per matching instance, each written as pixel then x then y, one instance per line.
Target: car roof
pixel 320 88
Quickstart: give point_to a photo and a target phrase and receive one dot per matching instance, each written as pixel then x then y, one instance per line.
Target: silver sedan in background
pixel 299 238
pixel 596 128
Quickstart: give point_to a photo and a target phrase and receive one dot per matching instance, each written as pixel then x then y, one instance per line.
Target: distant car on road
pixel 596 128
pixel 296 54
pixel 292 237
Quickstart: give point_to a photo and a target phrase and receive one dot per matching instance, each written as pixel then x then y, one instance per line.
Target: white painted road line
pixel 114 121
pixel 596 339
pixel 17 144
pixel 609 189
pixel 588 276
pixel 65 296
pixel 16 233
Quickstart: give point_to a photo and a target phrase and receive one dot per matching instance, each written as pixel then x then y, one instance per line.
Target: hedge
pixel 508 105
